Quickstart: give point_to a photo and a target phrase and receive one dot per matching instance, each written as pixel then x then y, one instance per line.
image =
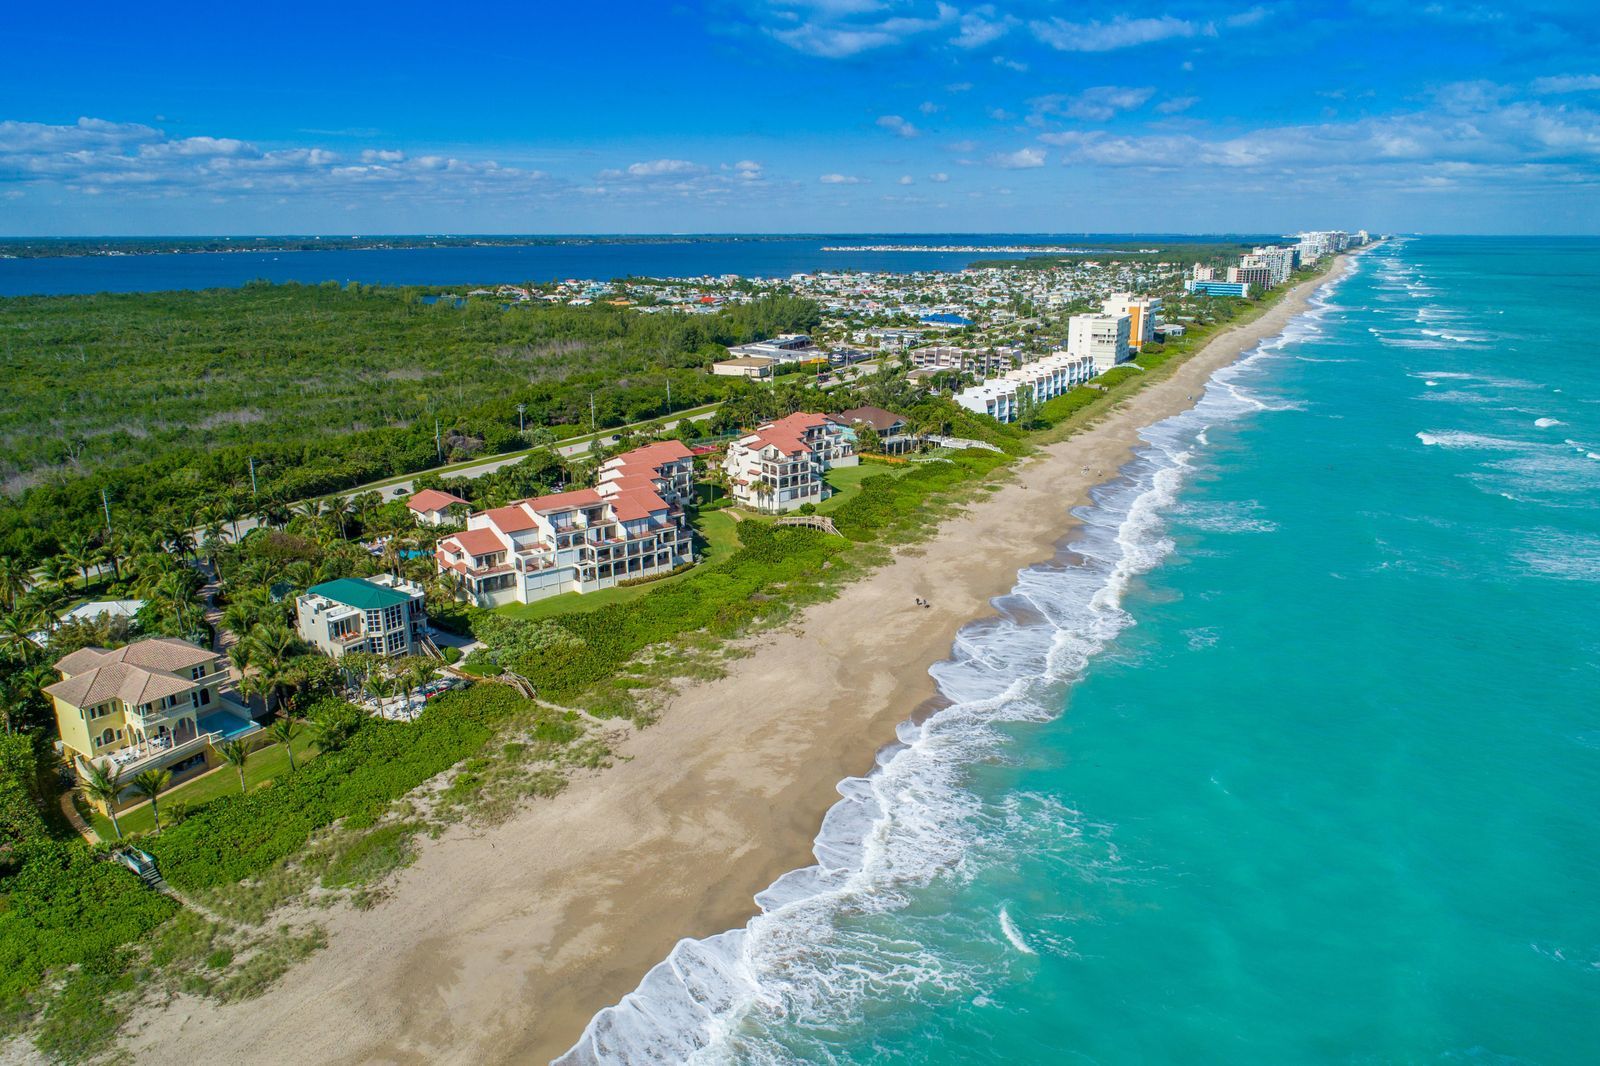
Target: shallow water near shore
pixel 1294 759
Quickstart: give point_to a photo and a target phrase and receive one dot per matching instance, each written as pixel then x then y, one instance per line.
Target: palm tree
pixel 16 632
pixel 230 512
pixel 180 541
pixel 103 786
pixel 149 785
pixel 338 509
pixel 237 752
pixel 79 551
pixel 57 569
pixel 284 731
pixel 14 580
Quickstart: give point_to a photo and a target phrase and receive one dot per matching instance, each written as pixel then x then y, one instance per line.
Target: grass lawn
pixel 846 482
pixel 719 539
pixel 264 764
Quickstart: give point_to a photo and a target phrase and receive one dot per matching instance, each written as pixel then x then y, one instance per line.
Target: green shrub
pixel 451 653
pixel 237 836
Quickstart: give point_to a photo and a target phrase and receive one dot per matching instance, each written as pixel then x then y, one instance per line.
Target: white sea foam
pixel 1546 423
pixel 1453 439
pixel 912 820
pixel 1009 928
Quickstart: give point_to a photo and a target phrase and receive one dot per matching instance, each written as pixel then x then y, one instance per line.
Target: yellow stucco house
pixel 156 703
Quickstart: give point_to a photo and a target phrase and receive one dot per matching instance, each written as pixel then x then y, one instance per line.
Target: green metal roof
pixel 359 593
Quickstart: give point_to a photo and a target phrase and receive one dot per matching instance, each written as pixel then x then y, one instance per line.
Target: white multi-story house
pixel 632 525
pixel 780 465
pixel 1102 338
pixel 1044 379
pixel 1143 313
pixel 381 615
pixel 430 507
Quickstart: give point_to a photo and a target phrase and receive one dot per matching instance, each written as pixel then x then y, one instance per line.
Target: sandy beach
pixel 498 945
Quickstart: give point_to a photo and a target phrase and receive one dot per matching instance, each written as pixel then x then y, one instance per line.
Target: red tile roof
pixel 563 501
pixel 476 542
pixel 433 500
pixel 634 504
pixel 511 519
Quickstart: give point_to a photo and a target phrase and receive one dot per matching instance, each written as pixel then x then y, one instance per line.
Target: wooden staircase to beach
pixel 810 521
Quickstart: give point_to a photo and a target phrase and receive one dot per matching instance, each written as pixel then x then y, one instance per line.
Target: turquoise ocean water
pixel 1292 756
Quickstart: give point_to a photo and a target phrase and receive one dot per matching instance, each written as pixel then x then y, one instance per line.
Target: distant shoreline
pixel 563 908
pixel 118 247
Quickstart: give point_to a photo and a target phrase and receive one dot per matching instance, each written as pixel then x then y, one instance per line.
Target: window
pixel 107 737
pixel 198 672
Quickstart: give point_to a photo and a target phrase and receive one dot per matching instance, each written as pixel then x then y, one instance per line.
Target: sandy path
pixel 498 945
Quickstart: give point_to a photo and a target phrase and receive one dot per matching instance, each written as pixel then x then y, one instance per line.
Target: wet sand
pixel 499 945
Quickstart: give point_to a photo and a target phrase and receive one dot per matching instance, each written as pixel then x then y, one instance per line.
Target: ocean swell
pixel 776 989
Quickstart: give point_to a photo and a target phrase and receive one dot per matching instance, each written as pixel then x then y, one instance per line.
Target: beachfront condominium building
pixel 779 466
pixel 1102 338
pixel 1204 272
pixel 1143 313
pixel 1240 289
pixel 979 361
pixel 430 507
pixel 1259 278
pixel 382 615
pixel 632 525
pixel 1279 261
pixel 1005 397
pixel 154 704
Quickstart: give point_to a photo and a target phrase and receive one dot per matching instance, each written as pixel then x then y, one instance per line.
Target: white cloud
pixel 94 156
pixel 1011 64
pixel 1096 104
pixel 906 179
pixel 1120 32
pixel 1177 104
pixel 839 30
pixel 1567 83
pixel 928 107
pixel 1021 159
pixel 941 177
pixel 898 126
pixel 958 87
pixel 841 179
pixel 655 168
pixel 980 26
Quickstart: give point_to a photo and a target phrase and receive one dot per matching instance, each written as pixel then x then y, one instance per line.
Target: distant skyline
pixel 817 116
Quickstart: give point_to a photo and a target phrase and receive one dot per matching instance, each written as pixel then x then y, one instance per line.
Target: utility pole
pixel 252 477
pixel 521 410
pixel 669 396
pixel 591 412
pixel 438 443
pixel 106 503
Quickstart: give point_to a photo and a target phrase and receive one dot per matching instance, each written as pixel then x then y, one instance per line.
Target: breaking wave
pixel 770 992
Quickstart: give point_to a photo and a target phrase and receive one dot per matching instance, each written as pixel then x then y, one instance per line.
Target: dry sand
pixel 498 945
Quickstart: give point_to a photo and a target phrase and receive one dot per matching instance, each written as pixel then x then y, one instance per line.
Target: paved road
pixel 395 490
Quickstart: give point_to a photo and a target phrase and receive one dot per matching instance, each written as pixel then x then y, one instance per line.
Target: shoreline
pixel 500 944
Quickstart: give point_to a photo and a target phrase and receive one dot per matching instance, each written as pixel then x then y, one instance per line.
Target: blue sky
pixel 801 115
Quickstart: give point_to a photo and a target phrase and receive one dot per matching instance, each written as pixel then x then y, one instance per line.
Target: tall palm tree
pixel 180 541
pixel 57 569
pixel 79 551
pixel 229 511
pixel 14 580
pixel 338 509
pixel 16 633
pixel 237 752
pixel 102 786
pixel 150 785
pixel 284 731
